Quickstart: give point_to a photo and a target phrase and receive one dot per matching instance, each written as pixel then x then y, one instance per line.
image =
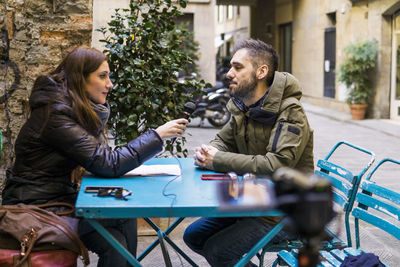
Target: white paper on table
pixel 155 170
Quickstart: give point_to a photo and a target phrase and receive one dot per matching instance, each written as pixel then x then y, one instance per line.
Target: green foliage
pixel 355 71
pixel 145 50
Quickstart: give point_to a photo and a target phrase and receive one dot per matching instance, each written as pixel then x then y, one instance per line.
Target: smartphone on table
pixel 96 189
pixel 216 176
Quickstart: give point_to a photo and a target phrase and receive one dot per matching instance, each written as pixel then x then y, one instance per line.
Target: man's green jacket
pixel 283 138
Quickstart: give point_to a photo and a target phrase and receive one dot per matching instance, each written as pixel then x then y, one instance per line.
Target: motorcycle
pixel 211 103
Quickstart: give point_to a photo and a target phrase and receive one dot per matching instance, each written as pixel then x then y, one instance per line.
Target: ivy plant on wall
pixel 146 50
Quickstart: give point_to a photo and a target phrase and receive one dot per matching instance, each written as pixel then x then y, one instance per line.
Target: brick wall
pixel 34 34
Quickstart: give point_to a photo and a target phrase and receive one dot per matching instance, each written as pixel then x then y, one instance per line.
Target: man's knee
pixel 189 237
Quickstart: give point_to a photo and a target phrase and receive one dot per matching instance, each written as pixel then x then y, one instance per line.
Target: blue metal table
pixel 194 198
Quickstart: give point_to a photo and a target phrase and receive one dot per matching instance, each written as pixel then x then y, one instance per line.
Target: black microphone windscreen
pixel 188 109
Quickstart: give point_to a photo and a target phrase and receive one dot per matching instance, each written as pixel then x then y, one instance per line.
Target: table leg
pixel 156 242
pixel 164 250
pixel 257 247
pixel 114 242
pixel 183 254
pixel 165 235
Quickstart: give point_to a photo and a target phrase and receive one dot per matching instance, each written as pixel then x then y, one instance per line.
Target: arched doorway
pixel 395 83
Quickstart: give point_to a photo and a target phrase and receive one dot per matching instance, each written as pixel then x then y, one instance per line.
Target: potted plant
pixel 354 72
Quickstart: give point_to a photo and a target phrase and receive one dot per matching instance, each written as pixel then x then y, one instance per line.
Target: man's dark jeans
pixel 124 230
pixel 223 241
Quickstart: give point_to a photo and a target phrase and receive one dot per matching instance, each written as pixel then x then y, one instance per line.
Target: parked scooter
pixel 211 103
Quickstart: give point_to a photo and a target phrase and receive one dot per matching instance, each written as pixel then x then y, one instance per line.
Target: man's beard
pixel 245 89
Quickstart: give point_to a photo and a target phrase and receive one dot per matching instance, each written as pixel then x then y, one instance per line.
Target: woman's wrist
pixel 157 134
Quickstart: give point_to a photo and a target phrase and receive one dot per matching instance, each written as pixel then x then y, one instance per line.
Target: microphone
pixel 188 109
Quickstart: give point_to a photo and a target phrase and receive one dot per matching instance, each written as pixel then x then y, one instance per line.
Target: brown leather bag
pixel 49 258
pixel 45 238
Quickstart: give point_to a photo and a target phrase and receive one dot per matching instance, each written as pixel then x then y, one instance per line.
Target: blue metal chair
pixel 388 204
pixel 345 185
pixel 385 206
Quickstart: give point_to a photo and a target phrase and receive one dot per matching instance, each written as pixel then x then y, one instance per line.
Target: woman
pixel 65 131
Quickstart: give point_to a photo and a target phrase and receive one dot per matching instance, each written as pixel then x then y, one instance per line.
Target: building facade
pixel 232 24
pixel 312 34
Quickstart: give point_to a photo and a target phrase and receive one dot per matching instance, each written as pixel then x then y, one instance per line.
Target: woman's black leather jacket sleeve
pixel 74 142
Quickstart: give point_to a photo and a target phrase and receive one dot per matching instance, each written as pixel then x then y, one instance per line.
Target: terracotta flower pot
pixel 358 111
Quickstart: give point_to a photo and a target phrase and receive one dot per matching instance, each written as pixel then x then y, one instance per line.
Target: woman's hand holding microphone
pixel 174 128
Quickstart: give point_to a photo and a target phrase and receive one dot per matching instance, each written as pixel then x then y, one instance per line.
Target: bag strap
pixel 55 221
pixel 59 204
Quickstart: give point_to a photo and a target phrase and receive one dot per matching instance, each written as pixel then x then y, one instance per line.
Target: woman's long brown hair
pixel 72 74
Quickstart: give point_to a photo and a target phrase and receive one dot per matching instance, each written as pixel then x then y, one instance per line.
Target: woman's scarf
pixel 103 111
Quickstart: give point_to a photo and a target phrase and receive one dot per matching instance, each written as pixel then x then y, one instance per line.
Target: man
pixel 268 130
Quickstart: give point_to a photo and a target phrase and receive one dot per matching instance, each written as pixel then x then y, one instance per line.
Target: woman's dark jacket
pixel 52 143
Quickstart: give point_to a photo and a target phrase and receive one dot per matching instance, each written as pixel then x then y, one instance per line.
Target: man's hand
pixel 204 156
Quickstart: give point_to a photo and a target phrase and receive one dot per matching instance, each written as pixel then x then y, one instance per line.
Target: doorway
pixel 285 47
pixel 330 62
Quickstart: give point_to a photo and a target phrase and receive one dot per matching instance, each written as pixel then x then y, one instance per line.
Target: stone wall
pixel 34 34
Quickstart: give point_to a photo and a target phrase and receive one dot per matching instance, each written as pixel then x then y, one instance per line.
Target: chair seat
pixel 334 257
pixel 275 247
pixel 335 243
pixel 291 257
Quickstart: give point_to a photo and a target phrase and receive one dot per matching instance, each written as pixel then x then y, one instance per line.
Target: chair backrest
pixel 344 182
pixel 378 205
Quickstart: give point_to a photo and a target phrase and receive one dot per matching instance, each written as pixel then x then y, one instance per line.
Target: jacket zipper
pixel 277 134
pixel 255 135
pixel 246 122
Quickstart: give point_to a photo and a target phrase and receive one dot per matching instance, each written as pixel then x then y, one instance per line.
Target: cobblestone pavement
pixel 380 136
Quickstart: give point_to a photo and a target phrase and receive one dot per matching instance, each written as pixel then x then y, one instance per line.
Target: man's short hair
pixel 260 53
